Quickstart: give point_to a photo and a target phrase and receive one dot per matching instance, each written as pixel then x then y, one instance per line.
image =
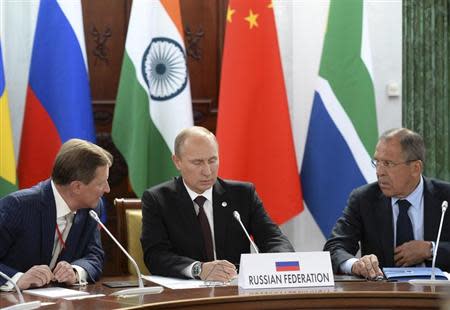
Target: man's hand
pixel 412 253
pixel 368 267
pixel 64 273
pixel 36 276
pixel 218 270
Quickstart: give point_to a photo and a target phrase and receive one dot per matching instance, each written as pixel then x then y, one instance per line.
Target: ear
pixel 75 187
pixel 176 161
pixel 418 167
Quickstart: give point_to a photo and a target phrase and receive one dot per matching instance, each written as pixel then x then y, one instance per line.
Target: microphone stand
pixel 22 305
pixel 237 216
pixel 141 290
pixel 432 280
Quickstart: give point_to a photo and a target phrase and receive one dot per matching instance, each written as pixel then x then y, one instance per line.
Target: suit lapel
pixel 222 211
pixel 431 211
pixel 48 222
pixel 384 217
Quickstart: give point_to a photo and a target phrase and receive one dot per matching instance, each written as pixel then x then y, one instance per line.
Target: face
pixel 198 162
pixel 88 195
pixel 401 179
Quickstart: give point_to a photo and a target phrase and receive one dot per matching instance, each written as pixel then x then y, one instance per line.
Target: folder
pixel 402 274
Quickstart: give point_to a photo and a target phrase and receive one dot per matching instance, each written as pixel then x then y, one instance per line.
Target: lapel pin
pixel 224 204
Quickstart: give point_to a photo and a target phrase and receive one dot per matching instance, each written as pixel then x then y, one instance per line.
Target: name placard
pixel 273 270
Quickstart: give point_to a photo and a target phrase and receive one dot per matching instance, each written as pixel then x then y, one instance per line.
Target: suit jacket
pixel 27 230
pixel 368 218
pixel 171 235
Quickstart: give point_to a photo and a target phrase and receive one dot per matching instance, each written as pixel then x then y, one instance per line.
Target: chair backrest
pixel 129 227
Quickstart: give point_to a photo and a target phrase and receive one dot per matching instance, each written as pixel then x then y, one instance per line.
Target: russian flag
pixel 58 102
pixel 287 266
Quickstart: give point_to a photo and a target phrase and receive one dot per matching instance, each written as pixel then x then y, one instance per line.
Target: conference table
pixel 344 295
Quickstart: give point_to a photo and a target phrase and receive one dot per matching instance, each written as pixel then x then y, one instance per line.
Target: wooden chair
pixel 129 226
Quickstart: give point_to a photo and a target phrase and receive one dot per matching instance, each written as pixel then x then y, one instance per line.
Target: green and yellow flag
pixel 8 180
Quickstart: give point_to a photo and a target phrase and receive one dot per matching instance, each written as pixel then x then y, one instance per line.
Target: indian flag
pixel 154 100
pixel 8 181
pixel 342 132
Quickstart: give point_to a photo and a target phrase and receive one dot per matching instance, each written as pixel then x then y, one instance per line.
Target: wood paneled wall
pixel 105 27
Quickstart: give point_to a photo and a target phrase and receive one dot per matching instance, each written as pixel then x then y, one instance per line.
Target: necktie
pixel 63 225
pixel 206 229
pixel 404 226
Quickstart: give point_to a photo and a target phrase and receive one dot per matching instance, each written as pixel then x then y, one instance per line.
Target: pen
pixel 84 296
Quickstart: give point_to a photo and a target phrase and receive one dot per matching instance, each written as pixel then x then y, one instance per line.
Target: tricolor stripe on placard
pixel 287 266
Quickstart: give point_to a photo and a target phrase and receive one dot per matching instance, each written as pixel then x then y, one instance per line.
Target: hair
pixel 413 146
pixel 78 160
pixel 189 132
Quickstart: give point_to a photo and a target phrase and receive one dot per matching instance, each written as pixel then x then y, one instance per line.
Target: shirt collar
pixel 207 194
pixel 62 209
pixel 415 197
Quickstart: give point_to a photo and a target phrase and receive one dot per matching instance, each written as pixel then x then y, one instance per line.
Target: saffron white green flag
pixel 154 99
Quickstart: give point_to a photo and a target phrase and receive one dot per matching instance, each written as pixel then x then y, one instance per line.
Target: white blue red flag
pixel 58 101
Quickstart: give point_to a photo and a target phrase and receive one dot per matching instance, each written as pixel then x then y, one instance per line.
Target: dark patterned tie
pixel 404 226
pixel 206 229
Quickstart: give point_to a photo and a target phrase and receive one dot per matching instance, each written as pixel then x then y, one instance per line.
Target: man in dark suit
pixel 396 219
pixel 46 231
pixel 176 240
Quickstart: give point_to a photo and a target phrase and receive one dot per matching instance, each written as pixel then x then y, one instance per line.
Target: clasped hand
pixel 41 275
pixel 412 253
pixel 218 270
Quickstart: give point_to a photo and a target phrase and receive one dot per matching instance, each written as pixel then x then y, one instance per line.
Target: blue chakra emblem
pixel 164 68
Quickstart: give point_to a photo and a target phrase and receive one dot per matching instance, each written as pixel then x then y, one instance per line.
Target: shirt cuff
pixel 433 245
pixel 8 286
pixel 346 267
pixel 81 275
pixel 188 271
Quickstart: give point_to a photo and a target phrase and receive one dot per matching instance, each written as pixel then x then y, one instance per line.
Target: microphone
pixel 141 290
pixel 432 280
pixel 22 304
pixel 237 216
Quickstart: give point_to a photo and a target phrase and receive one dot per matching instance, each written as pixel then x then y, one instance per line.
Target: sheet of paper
pixel 54 292
pixel 176 283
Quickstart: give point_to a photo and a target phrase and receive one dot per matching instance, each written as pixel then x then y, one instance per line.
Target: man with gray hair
pixel 46 231
pixel 396 219
pixel 188 227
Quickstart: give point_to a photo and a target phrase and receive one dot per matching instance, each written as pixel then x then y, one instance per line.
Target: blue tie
pixel 404 226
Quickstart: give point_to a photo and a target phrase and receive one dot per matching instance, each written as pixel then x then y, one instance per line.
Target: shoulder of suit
pixel 28 197
pixel 234 184
pixel 40 190
pixel 436 185
pixel 371 189
pixel 166 186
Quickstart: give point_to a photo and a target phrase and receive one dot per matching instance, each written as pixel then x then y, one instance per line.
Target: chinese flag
pixel 254 129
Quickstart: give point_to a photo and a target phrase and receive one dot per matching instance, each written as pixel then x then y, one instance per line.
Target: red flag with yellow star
pixel 253 127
